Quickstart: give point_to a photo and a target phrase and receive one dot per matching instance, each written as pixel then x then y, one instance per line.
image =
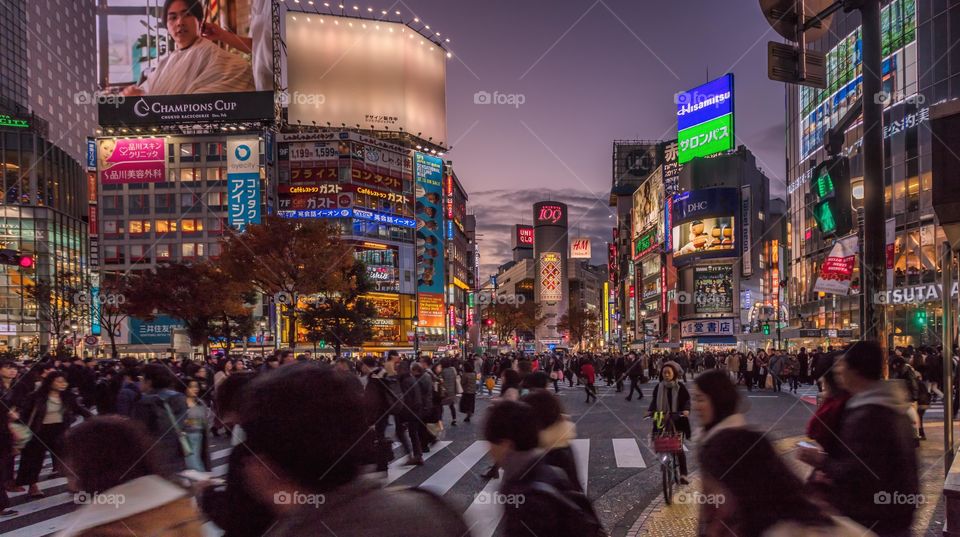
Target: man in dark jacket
pixel 634 372
pixel 129 393
pixel 161 409
pixel 873 476
pixel 539 499
pixel 407 414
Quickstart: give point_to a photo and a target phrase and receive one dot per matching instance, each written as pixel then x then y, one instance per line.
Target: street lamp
pixel 263 339
pixel 75 327
pixel 643 325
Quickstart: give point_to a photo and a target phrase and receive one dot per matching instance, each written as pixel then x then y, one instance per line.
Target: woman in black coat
pixel 48 412
pixel 671 398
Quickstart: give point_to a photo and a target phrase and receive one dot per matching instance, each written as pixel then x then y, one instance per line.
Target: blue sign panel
pixel 428 171
pixel 699 204
pixel 95 306
pixel 362 214
pixel 704 103
pixel 159 331
pixel 91 154
pixel 243 183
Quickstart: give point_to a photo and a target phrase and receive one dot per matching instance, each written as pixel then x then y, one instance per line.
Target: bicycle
pixel 667 443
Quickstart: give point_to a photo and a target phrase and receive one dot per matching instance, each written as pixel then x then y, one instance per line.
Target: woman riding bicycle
pixel 670 409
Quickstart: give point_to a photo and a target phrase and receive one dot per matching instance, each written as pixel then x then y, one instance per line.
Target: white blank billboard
pixel 365 72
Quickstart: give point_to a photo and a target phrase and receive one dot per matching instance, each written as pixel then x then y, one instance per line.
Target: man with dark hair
pixel 161 409
pixel 286 357
pixel 312 478
pixel 129 392
pixel 877 459
pixel 539 498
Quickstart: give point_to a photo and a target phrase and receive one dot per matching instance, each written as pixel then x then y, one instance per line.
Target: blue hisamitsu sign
pixel 705 103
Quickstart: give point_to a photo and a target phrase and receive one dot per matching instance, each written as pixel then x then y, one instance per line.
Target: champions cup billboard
pixel 193 62
pixel 368 74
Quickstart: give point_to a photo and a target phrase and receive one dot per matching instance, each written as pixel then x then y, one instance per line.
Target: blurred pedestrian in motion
pixel 48 412
pixel 408 414
pixel 545 502
pixel 716 404
pixel 311 479
pixel 589 374
pixel 119 486
pixel 556 432
pixel 469 381
pixel 634 372
pixel 161 410
pixel 195 426
pixel 772 506
pixel 447 373
pixel 876 457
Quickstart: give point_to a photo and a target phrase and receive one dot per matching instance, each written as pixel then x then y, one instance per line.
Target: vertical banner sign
pixel 746 219
pixel 243 182
pixel 428 173
pixel 135 160
pixel 95 304
pixel 580 248
pixel 891 242
pixel 551 287
pixel 91 154
pixel 837 270
pixel 705 119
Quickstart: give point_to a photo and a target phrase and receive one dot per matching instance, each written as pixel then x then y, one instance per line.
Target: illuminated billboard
pixel 713 289
pixel 704 224
pixel 705 117
pixel 428 171
pixel 523 236
pixel 133 160
pixel 192 62
pixel 551 277
pixel 580 248
pixel 243 182
pixel 373 74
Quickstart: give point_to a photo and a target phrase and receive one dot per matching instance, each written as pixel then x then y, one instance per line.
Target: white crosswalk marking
pixel 581 455
pixel 396 470
pixel 627 453
pixel 445 478
pixel 484 514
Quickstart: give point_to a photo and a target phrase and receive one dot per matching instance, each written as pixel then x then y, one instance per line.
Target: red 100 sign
pixel 550 213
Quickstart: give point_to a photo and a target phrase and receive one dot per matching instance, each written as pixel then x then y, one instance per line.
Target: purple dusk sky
pixel 589 72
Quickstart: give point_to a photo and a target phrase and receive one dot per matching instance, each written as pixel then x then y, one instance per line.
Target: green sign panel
pixel 706 138
pixel 644 243
pixel 8 121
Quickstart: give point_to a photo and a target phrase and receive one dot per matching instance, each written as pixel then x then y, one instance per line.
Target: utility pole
pixel 946 270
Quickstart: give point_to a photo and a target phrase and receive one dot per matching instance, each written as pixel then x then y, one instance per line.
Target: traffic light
pixel 489 322
pixel 920 318
pixel 766 329
pixel 15 258
pixel 830 190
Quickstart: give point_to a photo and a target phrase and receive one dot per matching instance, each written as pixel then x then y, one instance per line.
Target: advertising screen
pixel 580 248
pixel 195 62
pixel 135 160
pixel 379 75
pixel 428 171
pixel 705 119
pixel 704 224
pixel 713 289
pixel 550 274
pixel 647 200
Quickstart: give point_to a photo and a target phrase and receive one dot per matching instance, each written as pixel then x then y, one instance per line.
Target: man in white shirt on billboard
pixel 196 65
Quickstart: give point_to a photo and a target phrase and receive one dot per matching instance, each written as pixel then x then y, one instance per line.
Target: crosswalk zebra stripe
pixel 627 453
pixel 396 470
pixel 484 514
pixel 581 456
pixel 445 478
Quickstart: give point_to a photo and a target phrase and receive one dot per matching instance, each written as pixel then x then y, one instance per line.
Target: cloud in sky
pixel 589 215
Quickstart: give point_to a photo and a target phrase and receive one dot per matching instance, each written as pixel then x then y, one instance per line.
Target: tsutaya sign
pixel 915 294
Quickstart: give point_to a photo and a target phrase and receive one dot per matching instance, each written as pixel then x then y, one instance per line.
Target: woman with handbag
pixel 468 382
pixel 49 412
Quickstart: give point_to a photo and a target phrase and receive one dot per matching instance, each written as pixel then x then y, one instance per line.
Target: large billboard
pixel 428 171
pixel 705 118
pixel 193 62
pixel 713 289
pixel 550 277
pixel 376 75
pixel 703 224
pixel 131 160
pixel 523 236
pixel 632 161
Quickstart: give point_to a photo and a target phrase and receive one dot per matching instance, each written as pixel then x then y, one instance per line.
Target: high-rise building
pixel 47 77
pixel 919 70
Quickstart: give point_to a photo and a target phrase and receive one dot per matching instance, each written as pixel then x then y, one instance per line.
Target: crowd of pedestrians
pixel 303 430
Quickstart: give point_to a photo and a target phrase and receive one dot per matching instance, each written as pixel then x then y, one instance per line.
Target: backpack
pixel 574 512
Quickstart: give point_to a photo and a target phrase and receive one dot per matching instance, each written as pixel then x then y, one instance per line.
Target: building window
pixel 112 227
pixel 138 253
pixel 165 203
pixel 162 251
pixel 215 249
pixel 191 250
pixel 139 204
pixel 216 174
pixel 166 226
pixel 190 152
pixel 215 152
pixel 191 225
pixel 113 205
pixel 215 225
pixel 113 254
pixel 189 200
pixel 216 200
pixel 138 227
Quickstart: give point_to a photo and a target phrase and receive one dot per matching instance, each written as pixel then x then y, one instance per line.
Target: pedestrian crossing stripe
pixel 482 515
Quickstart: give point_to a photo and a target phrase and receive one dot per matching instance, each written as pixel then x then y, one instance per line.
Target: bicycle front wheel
pixel 667 478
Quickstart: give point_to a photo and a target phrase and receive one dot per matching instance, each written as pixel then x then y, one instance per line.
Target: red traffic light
pixel 26 261
pixel 489 322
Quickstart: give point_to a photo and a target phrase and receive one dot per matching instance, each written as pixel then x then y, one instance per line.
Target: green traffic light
pixel 824 216
pixel 766 329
